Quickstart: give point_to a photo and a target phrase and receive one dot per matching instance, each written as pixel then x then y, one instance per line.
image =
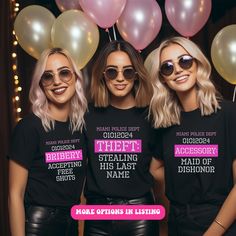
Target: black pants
pixel 193 220
pixel 121 227
pixel 48 221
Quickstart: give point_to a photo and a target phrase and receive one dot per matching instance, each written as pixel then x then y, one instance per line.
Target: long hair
pixel 142 85
pixel 39 100
pixel 165 108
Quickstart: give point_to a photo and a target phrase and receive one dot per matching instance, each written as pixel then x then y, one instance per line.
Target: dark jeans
pixel 121 227
pixel 193 220
pixel 49 221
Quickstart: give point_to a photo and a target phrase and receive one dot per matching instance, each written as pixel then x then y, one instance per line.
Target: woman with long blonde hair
pixel 195 133
pixel 47 154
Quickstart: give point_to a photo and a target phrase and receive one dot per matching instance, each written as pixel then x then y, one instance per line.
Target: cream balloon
pixel 76 32
pixel 65 5
pixel 223 53
pixel 33 29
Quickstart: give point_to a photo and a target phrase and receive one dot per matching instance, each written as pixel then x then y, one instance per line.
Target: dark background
pixel 223 13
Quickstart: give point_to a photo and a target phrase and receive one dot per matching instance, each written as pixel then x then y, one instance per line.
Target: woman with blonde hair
pixel 47 155
pixel 195 133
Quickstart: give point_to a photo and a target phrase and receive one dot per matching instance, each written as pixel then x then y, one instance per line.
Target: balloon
pixel 103 12
pixel 33 29
pixel 65 5
pixel 223 53
pixel 187 16
pixel 140 22
pixel 74 31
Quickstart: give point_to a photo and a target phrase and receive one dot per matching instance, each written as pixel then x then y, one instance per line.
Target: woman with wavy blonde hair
pixel 47 162
pixel 195 134
pixel 165 104
pixel 39 101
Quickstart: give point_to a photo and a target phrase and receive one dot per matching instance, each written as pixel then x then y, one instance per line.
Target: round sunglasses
pixel 111 73
pixel 185 62
pixel 47 77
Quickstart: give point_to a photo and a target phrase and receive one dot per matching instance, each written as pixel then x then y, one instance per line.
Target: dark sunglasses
pixel 185 62
pixel 47 78
pixel 112 73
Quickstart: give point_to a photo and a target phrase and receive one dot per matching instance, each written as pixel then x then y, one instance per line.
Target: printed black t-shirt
pixel 198 156
pixel 118 152
pixel 55 161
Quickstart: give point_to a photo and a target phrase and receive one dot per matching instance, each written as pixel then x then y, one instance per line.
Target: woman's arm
pixel 225 217
pixel 157 171
pixel 227 213
pixel 18 176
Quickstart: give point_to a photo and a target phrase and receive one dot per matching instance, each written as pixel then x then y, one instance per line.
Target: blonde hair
pixel 142 86
pixel 165 108
pixel 39 100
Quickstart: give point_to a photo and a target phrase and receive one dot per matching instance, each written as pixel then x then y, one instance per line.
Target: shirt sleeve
pixel 24 143
pixel 156 143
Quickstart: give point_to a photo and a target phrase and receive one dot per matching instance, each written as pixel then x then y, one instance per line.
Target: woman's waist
pixel 107 200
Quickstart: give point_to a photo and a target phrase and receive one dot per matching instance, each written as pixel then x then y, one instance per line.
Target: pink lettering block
pixel 117 145
pixel 209 150
pixel 63 156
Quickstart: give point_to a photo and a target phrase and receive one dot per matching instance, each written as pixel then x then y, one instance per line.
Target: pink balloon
pixel 187 16
pixel 65 5
pixel 103 12
pixel 140 22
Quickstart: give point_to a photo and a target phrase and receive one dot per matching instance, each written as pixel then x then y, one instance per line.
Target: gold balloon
pixel 33 29
pixel 223 53
pixel 74 31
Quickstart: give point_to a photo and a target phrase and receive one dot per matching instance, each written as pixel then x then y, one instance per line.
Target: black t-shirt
pixel 198 156
pixel 118 152
pixel 55 161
